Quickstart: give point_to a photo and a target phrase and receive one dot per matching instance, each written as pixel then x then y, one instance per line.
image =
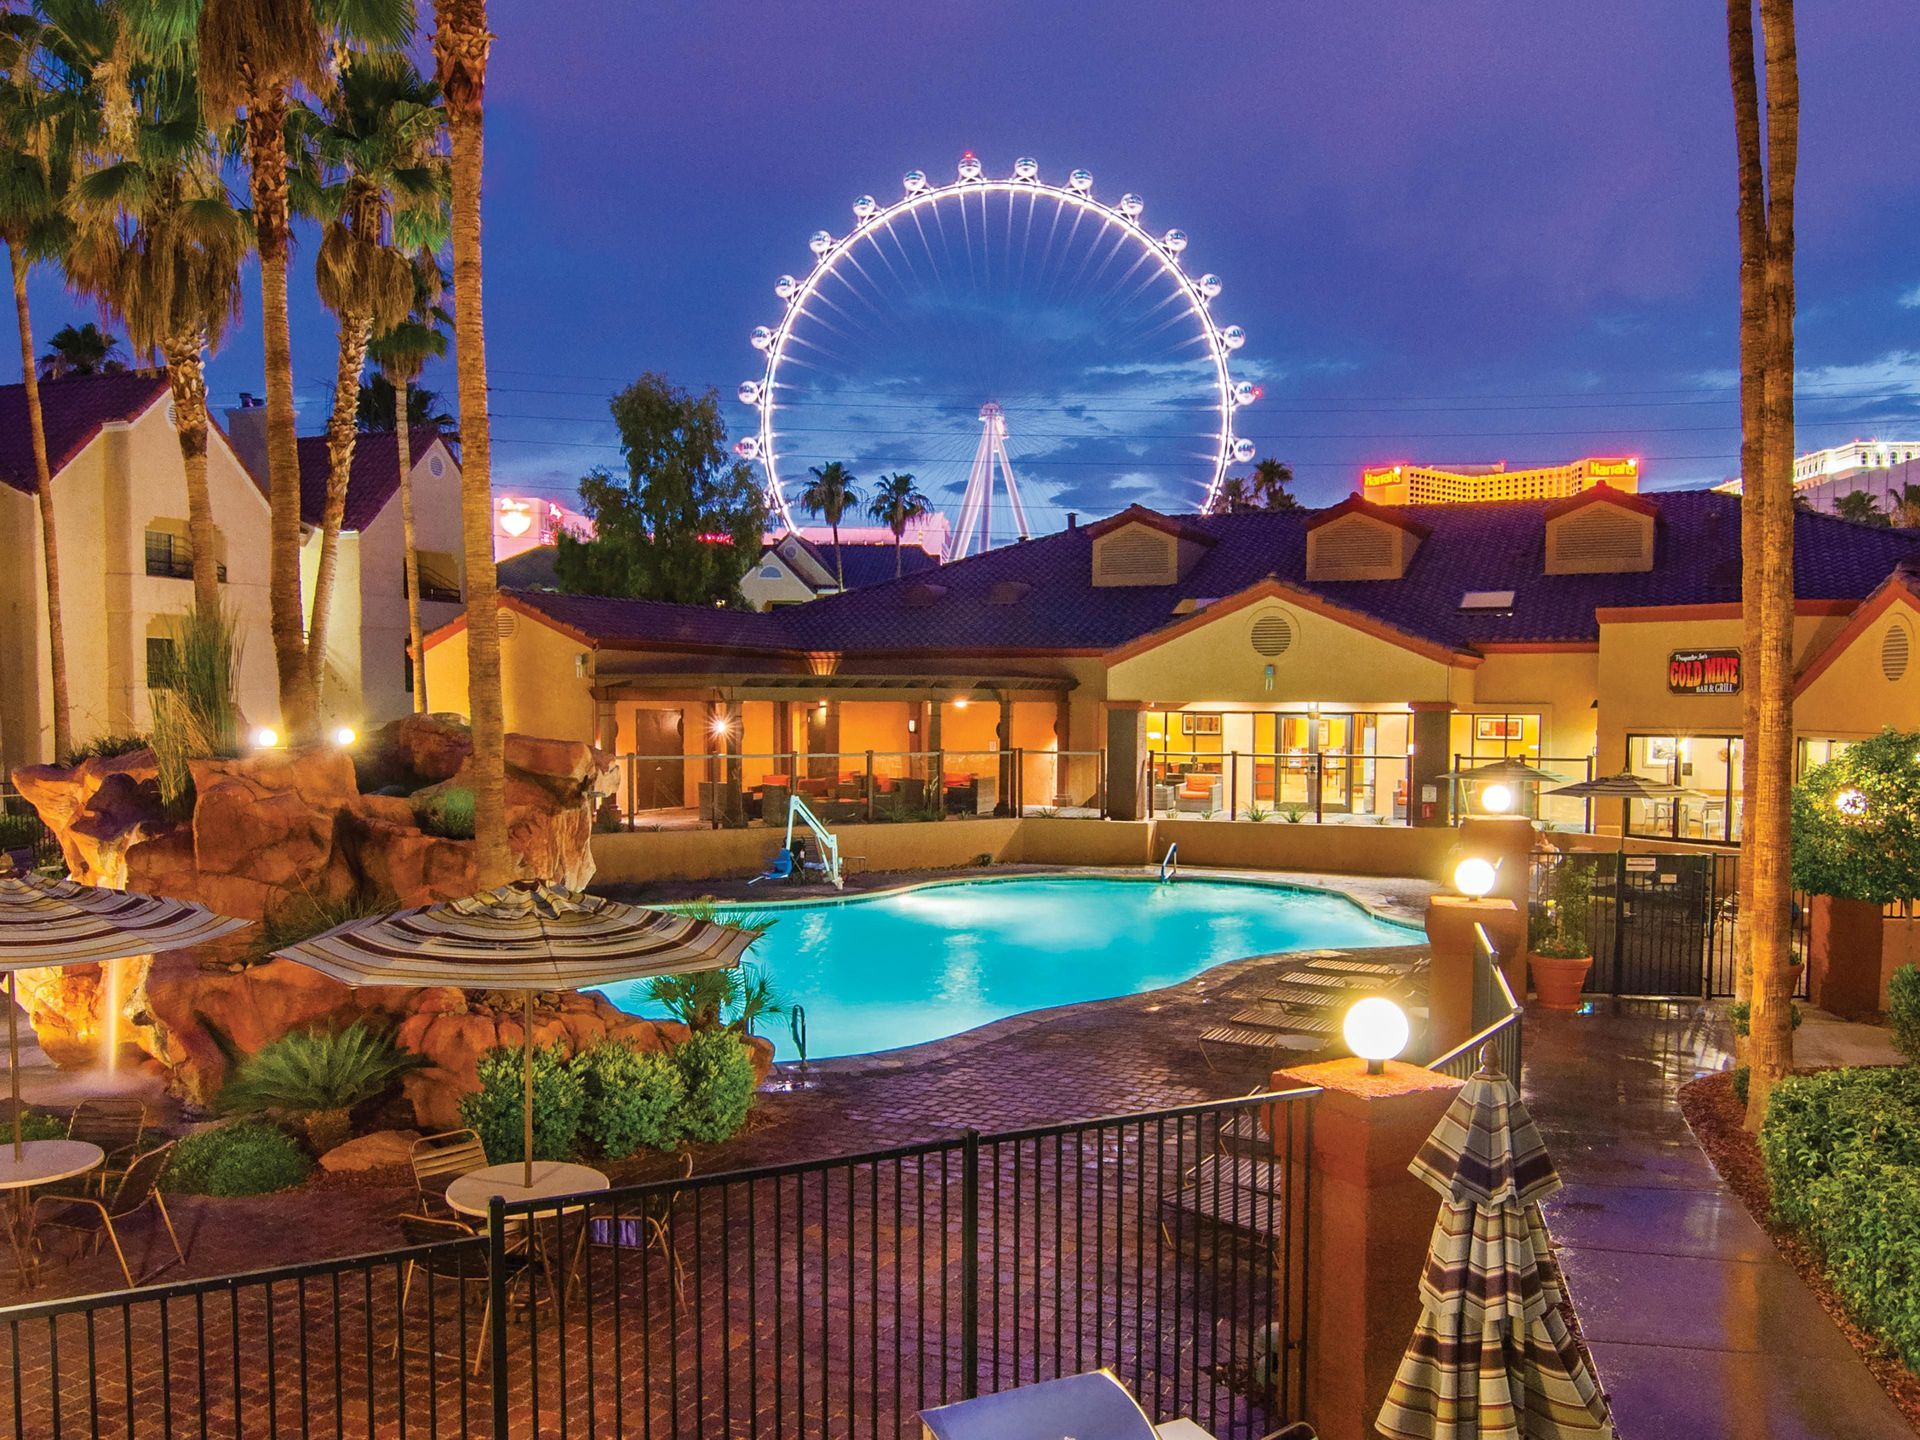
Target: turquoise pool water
pixel 904 968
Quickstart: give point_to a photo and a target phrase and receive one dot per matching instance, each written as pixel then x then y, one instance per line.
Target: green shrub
pixel 1740 1012
pixel 1866 1226
pixel 20 832
pixel 248 1158
pixel 34 1125
pixel 718 1074
pixel 1742 1074
pixel 1558 919
pixel 447 813
pixel 631 1099
pixel 1817 1124
pixel 495 1111
pixel 1903 1011
pixel 192 691
pixel 105 747
pixel 316 1077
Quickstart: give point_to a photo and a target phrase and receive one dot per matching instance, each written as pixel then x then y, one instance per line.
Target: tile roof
pixel 1039 595
pixel 617 623
pixel 73 412
pixel 372 482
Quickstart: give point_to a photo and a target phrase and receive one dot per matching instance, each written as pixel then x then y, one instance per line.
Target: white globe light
pixel 266 737
pixel 1473 877
pixel 1243 450
pixel 1208 285
pixel 970 166
pixel 344 736
pixel 1026 168
pixel 749 392
pixel 1496 799
pixel 820 242
pixel 1233 337
pixel 864 207
pixel 1131 205
pixel 785 287
pixel 747 448
pixel 1081 180
pixel 1245 392
pixel 761 338
pixel 1851 803
pixel 915 181
pixel 1376 1030
pixel 1175 241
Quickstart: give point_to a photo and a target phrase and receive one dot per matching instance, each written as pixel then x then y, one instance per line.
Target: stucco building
pixel 1410 484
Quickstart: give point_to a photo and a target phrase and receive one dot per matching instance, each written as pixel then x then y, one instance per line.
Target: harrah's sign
pixel 1704 672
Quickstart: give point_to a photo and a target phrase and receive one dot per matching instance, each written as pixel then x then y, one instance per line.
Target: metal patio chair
pixel 117 1126
pixel 101 1218
pixel 463 1266
pixel 440 1159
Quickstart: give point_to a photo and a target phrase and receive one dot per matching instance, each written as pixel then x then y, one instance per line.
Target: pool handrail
pixel 1170 863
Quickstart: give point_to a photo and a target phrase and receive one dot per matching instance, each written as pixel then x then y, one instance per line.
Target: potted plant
pixel 1559 954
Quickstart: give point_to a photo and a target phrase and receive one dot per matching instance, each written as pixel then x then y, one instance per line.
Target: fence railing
pixel 857 786
pixel 23 834
pixel 1497 1019
pixel 833 1298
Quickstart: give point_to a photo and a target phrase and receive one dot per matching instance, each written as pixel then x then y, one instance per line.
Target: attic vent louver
pixel 1597 540
pixel 1273 633
pixel 509 622
pixel 1136 554
pixel 1896 650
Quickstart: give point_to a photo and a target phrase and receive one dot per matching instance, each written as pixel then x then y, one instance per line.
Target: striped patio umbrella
pixel 1491 1355
pixel 1506 772
pixel 527 936
pixel 58 922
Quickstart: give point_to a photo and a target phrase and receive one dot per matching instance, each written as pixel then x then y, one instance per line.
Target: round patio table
pixel 40 1162
pixel 472 1192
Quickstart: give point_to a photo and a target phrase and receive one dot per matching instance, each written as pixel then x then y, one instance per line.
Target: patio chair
pixel 1199 795
pixel 463 1266
pixel 440 1159
pixel 135 1190
pixel 116 1126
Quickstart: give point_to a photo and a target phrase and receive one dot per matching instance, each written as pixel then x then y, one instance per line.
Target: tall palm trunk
pixel 1751 214
pixel 899 538
pixel 43 492
pixel 460 44
pixel 403 450
pixel 342 433
pixel 1770 1053
pixel 267 159
pixel 187 379
pixel 839 564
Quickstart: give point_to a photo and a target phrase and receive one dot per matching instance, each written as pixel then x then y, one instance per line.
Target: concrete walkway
pixel 1697 1326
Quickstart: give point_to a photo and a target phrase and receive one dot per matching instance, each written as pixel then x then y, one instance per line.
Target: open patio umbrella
pixel 1624 786
pixel 1491 1355
pixel 526 936
pixel 1505 772
pixel 58 922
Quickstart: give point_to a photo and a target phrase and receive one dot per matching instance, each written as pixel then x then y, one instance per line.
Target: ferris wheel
pixel 970 330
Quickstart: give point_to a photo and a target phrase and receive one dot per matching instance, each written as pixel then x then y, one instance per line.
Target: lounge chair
pixel 101 1219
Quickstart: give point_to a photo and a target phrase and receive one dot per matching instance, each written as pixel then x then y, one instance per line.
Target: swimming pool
pixel 915 965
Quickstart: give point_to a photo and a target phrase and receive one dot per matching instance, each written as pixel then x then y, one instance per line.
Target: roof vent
pixel 1487 600
pixel 1008 592
pixel 923 594
pixel 1896 650
pixel 509 622
pixel 1272 633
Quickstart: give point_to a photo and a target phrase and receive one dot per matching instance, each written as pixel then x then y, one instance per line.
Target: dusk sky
pixel 1456 232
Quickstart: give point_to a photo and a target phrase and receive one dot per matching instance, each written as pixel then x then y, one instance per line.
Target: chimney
pixel 247 430
pixel 1073 519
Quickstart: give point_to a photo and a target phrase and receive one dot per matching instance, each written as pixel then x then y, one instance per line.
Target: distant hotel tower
pixel 1464 484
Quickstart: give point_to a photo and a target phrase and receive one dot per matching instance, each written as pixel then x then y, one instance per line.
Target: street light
pixel 1473 877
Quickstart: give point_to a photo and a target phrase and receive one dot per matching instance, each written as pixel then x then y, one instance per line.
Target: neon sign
pixel 1613 469
pixel 1704 672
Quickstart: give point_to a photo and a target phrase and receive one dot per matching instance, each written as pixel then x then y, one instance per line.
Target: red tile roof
pixel 372 482
pixel 73 411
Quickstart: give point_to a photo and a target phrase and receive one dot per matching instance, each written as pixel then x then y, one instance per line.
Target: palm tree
pixel 400 353
pixel 1269 485
pixel 160 245
pixel 460 44
pixel 1235 494
pixel 1905 508
pixel 37 160
pixel 82 350
pixel 376 408
pixel 897 503
pixel 1862 508
pixel 375 144
pixel 830 494
pixel 1766 229
pixel 251 55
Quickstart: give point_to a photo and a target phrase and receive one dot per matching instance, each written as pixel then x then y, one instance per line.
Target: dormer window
pixel 1359 540
pixel 1601 531
pixel 1143 547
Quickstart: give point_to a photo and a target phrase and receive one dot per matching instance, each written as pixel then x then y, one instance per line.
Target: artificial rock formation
pixel 290 836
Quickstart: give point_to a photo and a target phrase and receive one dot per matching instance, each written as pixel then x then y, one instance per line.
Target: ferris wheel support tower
pixel 976 504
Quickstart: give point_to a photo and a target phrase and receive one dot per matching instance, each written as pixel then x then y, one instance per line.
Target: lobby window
pixel 170 552
pixel 1483 737
pixel 1707 770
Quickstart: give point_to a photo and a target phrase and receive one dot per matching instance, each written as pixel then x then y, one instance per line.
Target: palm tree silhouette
pixel 1269 485
pixel 82 350
pixel 897 503
pixel 830 494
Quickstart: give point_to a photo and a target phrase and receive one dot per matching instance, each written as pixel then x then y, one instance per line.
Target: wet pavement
pixel 1697 1326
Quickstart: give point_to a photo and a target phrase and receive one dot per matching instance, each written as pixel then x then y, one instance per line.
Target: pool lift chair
pixel 786 860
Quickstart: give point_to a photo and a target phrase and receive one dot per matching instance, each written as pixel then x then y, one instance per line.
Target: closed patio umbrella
pixel 58 922
pixel 1491 1355
pixel 526 936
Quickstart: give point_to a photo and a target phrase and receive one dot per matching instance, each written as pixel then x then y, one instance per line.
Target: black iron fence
pixel 24 836
pixel 1497 1020
pixel 1662 922
pixel 824 1298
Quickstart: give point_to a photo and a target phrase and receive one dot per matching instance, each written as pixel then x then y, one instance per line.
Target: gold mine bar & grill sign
pixel 1704 672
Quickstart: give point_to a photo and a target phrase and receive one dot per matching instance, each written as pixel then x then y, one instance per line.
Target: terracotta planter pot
pixel 1557 981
